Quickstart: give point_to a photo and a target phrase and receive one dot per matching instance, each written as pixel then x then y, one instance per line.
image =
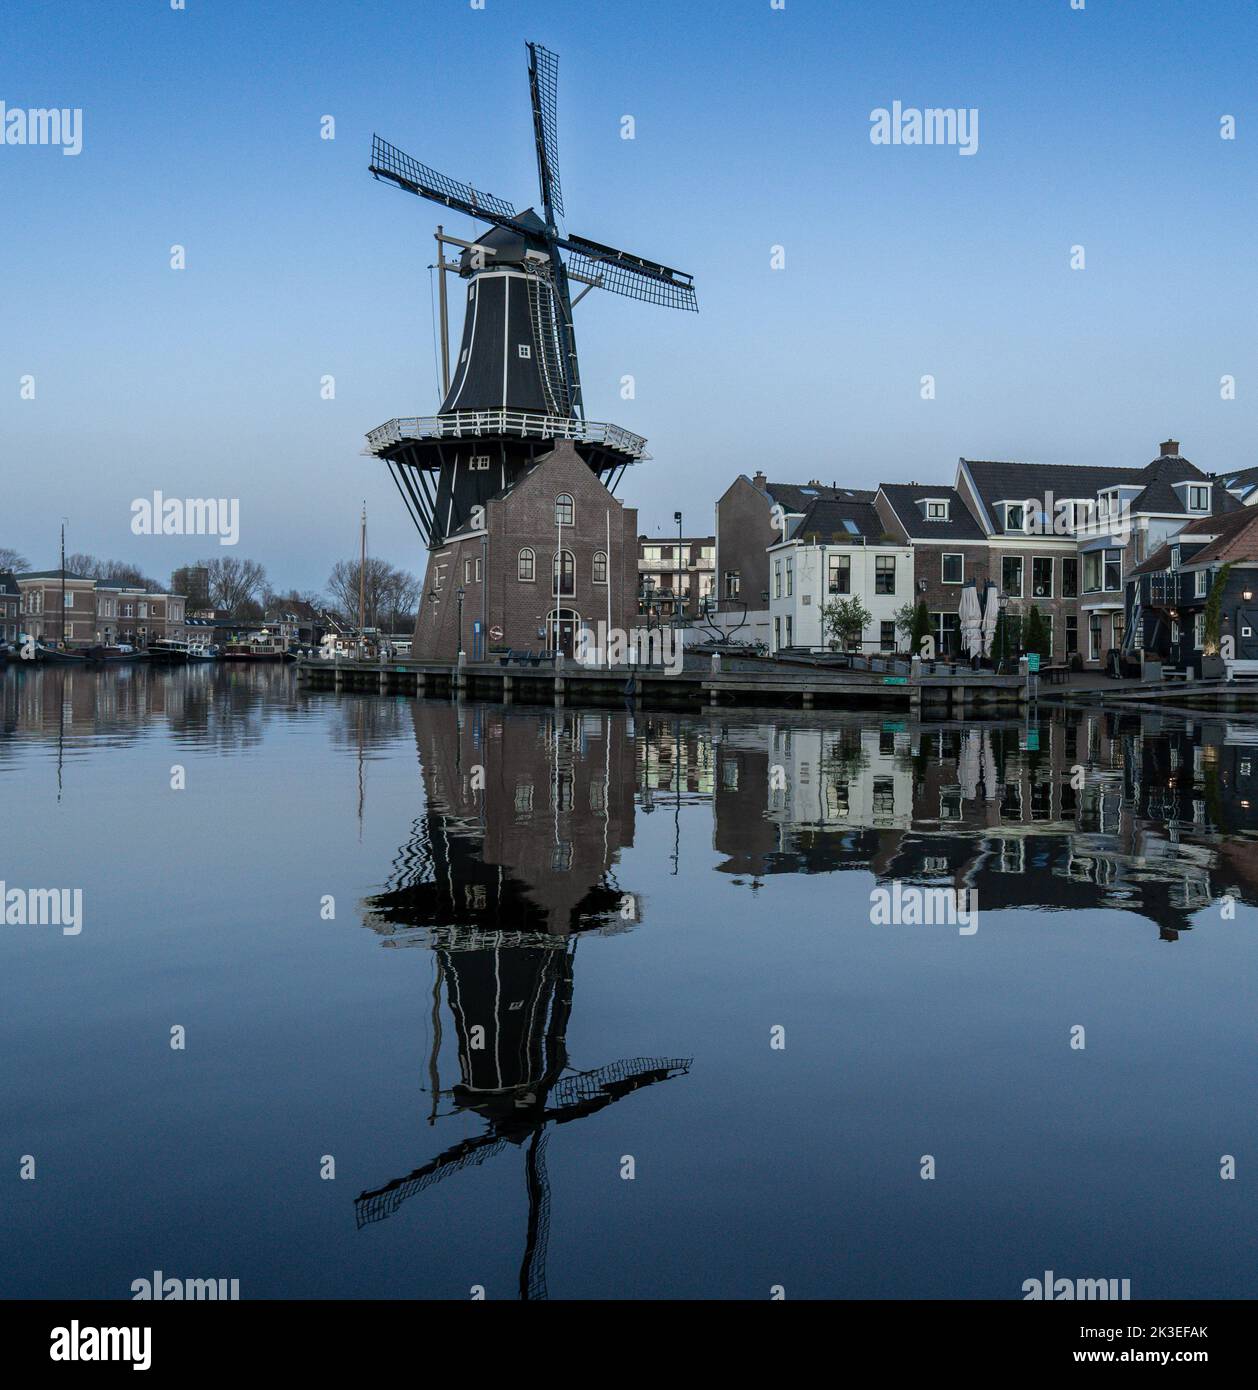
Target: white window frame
pixel 943 562
pixel 1201 584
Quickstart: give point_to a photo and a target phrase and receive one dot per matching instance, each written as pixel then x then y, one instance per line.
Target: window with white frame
pixel 1199 499
pixel 1042 576
pixel 525 350
pixel 1201 583
pixel 1011 575
pixel 1015 516
pixel 600 567
pixel 1199 630
pixel 525 565
pixel 565 510
pixel 936 509
pixel 884 574
pixel 479 463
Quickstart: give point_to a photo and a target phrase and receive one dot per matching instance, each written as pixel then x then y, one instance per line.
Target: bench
pixel 1055 674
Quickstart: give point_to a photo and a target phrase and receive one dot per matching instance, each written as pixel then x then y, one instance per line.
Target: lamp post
pixel 459 596
pixel 677 600
pixel 1004 626
pixel 648 588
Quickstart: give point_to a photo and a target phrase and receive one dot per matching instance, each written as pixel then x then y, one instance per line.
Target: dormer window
pixel 1015 516
pixel 1174 557
pixel 936 509
pixel 1198 499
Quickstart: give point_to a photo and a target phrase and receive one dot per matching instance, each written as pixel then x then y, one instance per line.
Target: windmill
pixel 516 384
pixel 509 994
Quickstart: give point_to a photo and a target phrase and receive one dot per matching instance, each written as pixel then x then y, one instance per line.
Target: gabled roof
pixel 1012 482
pixel 1236 540
pixel 798 497
pixel 1215 535
pixel 839 520
pixel 961 525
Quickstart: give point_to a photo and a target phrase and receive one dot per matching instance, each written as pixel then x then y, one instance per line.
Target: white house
pixel 837 550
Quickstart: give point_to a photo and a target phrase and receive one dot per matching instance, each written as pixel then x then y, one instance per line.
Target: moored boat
pixel 168 651
pixel 124 651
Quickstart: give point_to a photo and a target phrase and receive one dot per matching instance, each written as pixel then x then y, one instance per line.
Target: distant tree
pixel 14 560
pixel 389 594
pixel 235 583
pixel 110 572
pixel 845 619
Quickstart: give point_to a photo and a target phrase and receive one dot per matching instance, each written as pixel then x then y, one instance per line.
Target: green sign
pixel 1033 662
pixel 895 680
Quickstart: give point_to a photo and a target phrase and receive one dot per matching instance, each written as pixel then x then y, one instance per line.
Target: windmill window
pixel 524 350
pixel 565 574
pixel 479 463
pixel 524 565
pixel 565 510
pixel 463 356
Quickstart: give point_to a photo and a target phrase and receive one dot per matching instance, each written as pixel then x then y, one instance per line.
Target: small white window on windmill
pixel 479 463
pixel 525 350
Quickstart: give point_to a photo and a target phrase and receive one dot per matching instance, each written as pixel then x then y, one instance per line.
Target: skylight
pixel 850 526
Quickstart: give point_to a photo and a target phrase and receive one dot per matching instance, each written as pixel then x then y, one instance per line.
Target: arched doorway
pixel 562 626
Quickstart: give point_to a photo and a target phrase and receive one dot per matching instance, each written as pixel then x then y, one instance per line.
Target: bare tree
pixel 14 560
pixel 235 585
pixel 110 572
pixel 389 594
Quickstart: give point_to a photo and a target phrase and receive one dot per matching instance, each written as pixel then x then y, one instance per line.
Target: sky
pixel 1098 127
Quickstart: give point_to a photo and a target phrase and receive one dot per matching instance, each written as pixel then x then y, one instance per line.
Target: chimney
pixel 814 482
pixel 1169 449
pixel 760 481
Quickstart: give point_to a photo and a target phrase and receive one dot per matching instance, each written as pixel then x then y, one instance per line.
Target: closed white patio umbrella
pixel 971 616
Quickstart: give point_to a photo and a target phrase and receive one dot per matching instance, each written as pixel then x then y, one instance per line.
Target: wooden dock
pixel 958 693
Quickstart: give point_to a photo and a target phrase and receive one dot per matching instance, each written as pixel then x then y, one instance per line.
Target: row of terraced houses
pixel 1079 543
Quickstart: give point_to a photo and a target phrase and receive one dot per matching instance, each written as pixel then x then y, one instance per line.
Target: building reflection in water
pixel 511 862
pixel 1082 809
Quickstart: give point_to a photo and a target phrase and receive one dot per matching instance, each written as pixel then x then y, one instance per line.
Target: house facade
pixel 10 609
pixel 745 529
pixel 1167 597
pixel 837 551
pixel 685 566
pixel 949 549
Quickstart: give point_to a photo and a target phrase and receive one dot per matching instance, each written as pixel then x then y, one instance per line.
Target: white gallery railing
pixel 473 424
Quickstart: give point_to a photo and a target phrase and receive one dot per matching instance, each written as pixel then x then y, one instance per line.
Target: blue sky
pixel 1097 127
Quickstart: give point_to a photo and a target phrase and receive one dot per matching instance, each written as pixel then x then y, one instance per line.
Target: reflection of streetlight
pixel 1004 627
pixel 459 596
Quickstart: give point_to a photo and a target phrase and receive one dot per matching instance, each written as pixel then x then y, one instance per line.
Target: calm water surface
pixel 563 940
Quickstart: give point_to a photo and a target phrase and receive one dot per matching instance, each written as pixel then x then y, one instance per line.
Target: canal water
pixel 376 997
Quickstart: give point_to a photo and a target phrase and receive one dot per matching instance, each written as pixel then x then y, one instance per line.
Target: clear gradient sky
pixel 1097 127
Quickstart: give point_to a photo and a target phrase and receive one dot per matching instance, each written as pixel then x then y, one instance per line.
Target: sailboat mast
pixel 362 577
pixel 63 585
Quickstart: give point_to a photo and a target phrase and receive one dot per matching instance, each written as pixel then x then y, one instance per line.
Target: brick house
pixel 1062 538
pixel 44 606
pixel 10 608
pixel 137 617
pixel 949 548
pixel 539 572
pixel 744 532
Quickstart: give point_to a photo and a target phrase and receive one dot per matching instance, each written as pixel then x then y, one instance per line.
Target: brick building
pixel 10 608
pixel 949 548
pixel 540 570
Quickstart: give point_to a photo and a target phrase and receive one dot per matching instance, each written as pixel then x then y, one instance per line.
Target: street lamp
pixel 677 600
pixel 459 596
pixel 1004 627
